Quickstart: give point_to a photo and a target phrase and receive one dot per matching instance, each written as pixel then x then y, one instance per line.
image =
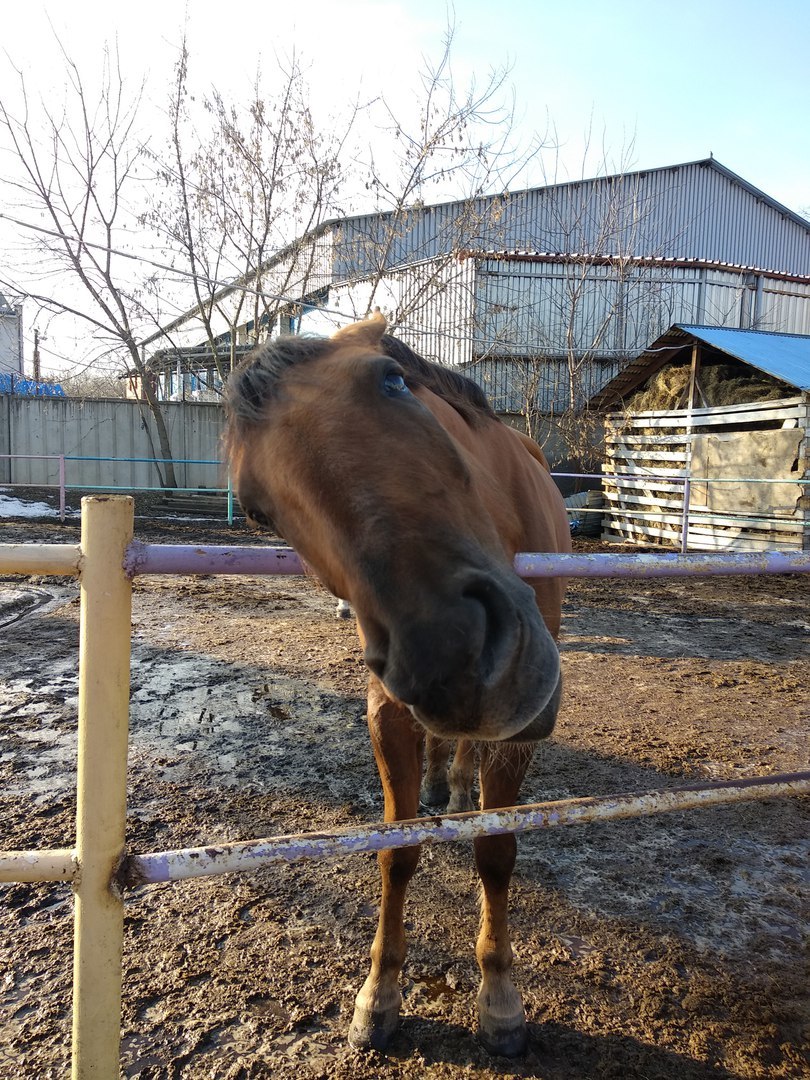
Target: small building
pixel 11 347
pixel 707 442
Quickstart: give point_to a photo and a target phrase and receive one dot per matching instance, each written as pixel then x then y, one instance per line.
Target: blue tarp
pixel 16 384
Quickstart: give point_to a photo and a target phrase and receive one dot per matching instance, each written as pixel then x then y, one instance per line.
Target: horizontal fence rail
pixel 229 858
pixel 143 558
pixel 28 866
pixel 52 559
pixel 666 564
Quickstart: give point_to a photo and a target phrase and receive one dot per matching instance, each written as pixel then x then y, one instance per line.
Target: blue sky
pixel 655 81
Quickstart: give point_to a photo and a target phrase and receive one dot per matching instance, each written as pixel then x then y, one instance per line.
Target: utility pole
pixel 36 355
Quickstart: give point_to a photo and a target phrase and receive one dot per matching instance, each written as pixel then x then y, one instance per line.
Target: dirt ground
pixel 668 948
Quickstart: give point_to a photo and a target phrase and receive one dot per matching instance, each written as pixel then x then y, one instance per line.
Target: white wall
pixel 11 359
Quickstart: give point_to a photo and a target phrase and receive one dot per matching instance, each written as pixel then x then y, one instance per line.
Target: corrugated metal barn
pixel 544 295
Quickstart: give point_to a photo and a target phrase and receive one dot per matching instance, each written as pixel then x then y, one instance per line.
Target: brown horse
pixel 406 495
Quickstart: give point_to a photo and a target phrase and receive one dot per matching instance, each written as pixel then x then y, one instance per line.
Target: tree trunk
pixel 168 478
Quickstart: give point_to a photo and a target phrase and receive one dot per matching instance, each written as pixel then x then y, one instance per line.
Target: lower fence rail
pixel 99 867
pixel 255 854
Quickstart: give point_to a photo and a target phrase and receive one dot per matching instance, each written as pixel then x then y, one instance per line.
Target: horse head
pixel 358 453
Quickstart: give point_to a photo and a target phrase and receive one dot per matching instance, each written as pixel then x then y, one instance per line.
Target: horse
pixel 408 497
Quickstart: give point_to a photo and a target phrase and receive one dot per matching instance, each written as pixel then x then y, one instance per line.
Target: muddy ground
pixel 668 948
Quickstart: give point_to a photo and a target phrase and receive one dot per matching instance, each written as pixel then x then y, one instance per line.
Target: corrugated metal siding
pixel 529 308
pixel 693 211
pixel 785 308
pixel 543 384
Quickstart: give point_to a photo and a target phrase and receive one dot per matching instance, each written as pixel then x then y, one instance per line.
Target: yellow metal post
pixel 104 660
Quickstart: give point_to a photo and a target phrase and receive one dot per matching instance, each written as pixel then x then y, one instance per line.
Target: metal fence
pixel 105 561
pixel 611 510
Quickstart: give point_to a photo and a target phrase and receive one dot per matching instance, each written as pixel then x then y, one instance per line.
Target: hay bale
pixel 734 384
pixel 722 384
pixel 663 390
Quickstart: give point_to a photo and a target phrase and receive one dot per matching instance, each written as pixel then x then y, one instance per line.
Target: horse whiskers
pixel 513 757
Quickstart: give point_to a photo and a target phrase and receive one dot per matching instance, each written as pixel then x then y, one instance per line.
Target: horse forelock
pixel 256 381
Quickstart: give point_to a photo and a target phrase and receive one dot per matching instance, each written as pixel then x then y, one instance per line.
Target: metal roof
pixel 783 356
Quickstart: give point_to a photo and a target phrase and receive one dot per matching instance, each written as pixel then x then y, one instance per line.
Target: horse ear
pixel 367 333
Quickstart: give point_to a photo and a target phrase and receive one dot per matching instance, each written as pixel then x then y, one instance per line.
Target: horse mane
pixel 255 381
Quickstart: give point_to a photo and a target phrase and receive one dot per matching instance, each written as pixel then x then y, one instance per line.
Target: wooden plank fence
pixel 732 477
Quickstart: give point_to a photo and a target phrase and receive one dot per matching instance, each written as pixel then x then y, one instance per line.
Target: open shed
pixel 707 442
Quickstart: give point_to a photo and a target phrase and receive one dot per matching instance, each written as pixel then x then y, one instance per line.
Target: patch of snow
pixel 11 507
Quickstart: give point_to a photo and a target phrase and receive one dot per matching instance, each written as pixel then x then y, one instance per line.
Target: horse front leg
pixel 501 1019
pixel 460 778
pixel 397 746
pixel 435 788
pixel 450 788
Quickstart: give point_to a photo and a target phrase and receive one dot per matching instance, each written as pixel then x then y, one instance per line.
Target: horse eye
pixel 394 384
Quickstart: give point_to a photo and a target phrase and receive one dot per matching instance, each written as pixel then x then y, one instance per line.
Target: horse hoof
pixel 372 1031
pixel 460 803
pixel 435 795
pixel 503 1041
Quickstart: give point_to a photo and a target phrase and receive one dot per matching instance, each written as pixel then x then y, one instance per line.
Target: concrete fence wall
pixel 107 428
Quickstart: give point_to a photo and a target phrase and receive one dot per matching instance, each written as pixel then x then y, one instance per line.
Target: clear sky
pixel 655 82
pixel 676 78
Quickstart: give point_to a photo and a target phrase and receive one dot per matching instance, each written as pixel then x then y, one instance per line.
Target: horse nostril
pixel 501 627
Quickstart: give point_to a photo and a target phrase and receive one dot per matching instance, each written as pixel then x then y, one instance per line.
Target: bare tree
pixel 458 143
pixel 78 167
pixel 232 202
pixel 256 203
pixel 593 291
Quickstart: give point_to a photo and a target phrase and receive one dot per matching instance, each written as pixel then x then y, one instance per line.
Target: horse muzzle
pixel 474 660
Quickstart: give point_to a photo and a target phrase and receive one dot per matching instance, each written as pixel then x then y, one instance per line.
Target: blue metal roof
pixel 784 356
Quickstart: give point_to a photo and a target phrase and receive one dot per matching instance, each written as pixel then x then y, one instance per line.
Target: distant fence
pixel 109 443
pixel 591 512
pixel 65 464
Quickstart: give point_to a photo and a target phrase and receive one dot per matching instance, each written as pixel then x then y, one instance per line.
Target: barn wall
pixel 649 456
pixel 544 307
pixel 429 306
